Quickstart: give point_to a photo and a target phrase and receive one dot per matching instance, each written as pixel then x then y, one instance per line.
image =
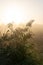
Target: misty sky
pixel 21 10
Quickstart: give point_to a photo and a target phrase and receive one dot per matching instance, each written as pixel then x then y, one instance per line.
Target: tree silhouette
pixel 17 50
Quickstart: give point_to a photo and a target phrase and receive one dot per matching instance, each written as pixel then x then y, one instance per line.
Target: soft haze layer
pixel 21 10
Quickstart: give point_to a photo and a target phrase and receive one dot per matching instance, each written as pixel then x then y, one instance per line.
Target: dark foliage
pixel 15 48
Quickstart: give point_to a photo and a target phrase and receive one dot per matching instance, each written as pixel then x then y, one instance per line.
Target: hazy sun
pixel 16 14
pixel 11 14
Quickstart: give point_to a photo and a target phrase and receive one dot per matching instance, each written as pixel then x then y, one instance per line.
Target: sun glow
pixel 16 13
pixel 11 14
